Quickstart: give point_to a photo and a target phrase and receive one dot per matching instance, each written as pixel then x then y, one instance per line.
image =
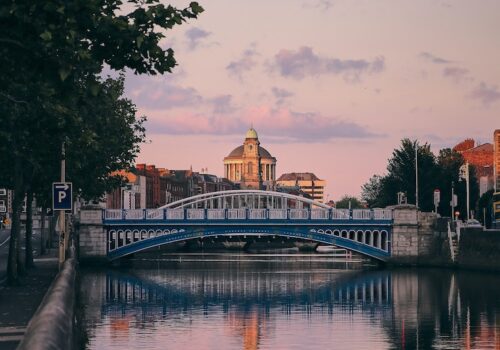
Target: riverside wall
pixel 54 324
pixel 479 249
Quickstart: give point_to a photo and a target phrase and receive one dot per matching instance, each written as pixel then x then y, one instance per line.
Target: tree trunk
pixel 52 229
pixel 28 254
pixel 42 230
pixel 15 264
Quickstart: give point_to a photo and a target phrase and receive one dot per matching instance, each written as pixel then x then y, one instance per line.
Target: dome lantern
pixel 251 134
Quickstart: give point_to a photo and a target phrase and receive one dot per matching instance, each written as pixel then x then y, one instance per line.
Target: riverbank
pixel 18 304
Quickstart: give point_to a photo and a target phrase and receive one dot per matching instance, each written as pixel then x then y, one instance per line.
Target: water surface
pixel 298 301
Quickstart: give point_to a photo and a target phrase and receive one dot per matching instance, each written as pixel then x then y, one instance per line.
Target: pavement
pixel 19 303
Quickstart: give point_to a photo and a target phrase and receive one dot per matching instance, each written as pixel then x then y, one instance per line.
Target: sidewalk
pixel 19 303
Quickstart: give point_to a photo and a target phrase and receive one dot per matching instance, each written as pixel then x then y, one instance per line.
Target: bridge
pixel 246 214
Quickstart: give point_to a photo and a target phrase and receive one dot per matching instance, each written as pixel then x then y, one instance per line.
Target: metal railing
pixel 257 214
pixel 341 214
pixel 362 214
pixel 154 214
pixel 277 214
pixel 236 214
pixel 246 214
pixel 175 214
pixel 298 214
pixel 320 214
pixel 216 214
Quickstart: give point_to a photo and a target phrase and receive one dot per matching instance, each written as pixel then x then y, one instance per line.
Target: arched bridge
pixel 248 213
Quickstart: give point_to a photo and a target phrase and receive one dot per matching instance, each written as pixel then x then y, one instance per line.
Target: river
pixel 286 301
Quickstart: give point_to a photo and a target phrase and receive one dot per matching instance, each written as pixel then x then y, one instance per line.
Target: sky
pixel 331 86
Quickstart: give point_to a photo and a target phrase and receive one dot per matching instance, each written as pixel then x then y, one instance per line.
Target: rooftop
pixel 298 177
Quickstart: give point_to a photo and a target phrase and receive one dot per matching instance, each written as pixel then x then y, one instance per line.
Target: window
pixel 3 192
pixel 250 168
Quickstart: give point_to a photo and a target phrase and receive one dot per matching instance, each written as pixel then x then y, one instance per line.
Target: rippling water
pixel 228 301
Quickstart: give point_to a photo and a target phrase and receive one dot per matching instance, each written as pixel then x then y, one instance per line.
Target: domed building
pixel 250 165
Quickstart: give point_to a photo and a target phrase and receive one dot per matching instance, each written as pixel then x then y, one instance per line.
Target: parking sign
pixel 62 196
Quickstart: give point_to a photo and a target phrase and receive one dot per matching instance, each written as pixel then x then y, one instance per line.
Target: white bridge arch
pixel 251 199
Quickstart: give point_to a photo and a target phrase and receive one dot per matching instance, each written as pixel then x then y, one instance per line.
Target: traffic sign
pixel 437 197
pixel 62 196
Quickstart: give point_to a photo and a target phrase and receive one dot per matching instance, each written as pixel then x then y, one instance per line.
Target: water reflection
pixel 222 306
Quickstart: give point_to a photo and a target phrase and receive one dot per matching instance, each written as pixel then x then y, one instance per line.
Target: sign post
pixel 437 199
pixel 62 200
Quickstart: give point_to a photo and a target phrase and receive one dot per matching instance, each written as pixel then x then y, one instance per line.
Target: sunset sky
pixel 331 86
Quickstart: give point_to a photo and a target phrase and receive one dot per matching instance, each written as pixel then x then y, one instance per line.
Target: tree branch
pixel 12 99
pixel 13 42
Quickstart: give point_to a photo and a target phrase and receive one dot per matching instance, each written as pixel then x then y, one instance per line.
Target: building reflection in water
pixel 418 309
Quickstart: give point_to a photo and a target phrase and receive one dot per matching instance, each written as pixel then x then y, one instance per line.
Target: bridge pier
pixel 92 236
pixel 416 238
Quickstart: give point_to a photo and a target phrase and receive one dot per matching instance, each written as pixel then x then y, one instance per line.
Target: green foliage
pixel 485 208
pixel 433 173
pixel 52 54
pixel 343 203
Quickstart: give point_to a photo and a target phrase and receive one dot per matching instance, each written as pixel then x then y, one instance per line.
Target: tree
pixel 485 208
pixel 347 202
pixel 371 191
pixel 381 191
pixel 449 163
pixel 51 55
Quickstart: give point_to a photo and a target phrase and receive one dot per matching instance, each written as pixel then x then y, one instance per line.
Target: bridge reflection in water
pixel 267 307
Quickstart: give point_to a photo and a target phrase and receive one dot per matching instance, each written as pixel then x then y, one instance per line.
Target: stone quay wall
pixel 418 238
pixel 479 249
pixel 91 236
pixel 54 324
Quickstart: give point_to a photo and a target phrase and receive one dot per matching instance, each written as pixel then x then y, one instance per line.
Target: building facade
pixel 306 182
pixel 481 158
pixel 496 159
pixel 149 187
pixel 5 203
pixel 250 165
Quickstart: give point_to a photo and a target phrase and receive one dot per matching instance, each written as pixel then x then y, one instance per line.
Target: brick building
pixel 496 161
pixel 132 195
pixel 481 158
pixel 150 187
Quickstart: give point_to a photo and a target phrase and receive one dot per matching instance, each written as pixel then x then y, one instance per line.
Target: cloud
pixel 244 64
pixel 486 94
pixel 457 74
pixel 282 124
pixel 434 59
pixel 161 93
pixel 323 5
pixel 195 36
pixel 223 104
pixel 304 62
pixel 281 95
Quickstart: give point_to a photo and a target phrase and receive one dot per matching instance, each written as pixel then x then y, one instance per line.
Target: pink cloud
pixel 282 124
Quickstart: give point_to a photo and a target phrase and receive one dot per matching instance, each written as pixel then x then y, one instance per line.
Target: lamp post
pixel 464 174
pixel 416 175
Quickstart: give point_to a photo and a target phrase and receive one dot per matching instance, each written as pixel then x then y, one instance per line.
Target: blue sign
pixel 62 196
